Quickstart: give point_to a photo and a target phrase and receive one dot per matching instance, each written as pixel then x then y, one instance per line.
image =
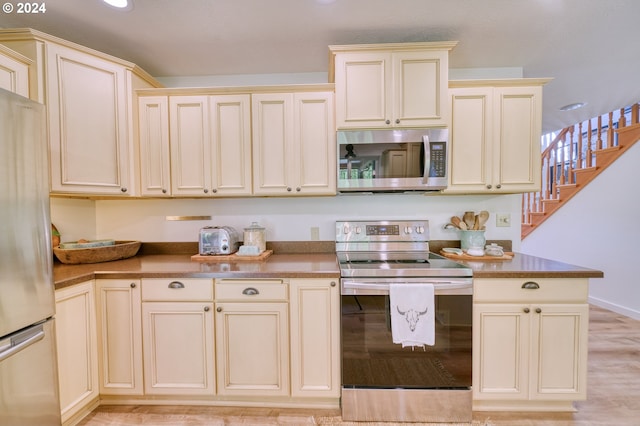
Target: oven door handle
pixel 439 286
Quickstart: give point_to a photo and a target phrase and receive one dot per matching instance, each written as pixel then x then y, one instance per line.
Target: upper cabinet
pixel 494 136
pixel 294 144
pixel 14 71
pixel 391 85
pixel 90 106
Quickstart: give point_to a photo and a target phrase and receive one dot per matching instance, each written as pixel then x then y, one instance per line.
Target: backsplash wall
pixel 286 219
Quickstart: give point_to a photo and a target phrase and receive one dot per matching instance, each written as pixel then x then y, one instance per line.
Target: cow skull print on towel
pixel 412 316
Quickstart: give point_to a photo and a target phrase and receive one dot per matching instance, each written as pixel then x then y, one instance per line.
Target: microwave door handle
pixel 427 158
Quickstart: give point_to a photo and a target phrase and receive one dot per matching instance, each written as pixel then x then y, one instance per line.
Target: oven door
pixel 371 360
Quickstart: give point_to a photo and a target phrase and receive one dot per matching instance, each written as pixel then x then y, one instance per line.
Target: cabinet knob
pixel 526 310
pixel 288 189
pixel 333 284
pixel 498 186
pixel 164 191
pixel 206 309
pixel 397 121
pixel 387 122
pixel 538 310
pixel 214 190
pixel 175 284
pixel 219 309
pixel 531 285
pixel 132 285
pixel 488 186
pixel 298 189
pixel 250 291
pixel 206 191
pixel 123 189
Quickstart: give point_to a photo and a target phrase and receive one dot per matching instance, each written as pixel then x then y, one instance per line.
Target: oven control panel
pixel 375 231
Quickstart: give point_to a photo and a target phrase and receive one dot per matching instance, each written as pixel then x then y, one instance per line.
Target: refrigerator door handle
pixel 22 341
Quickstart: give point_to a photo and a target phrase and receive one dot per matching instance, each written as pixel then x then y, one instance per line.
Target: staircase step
pixel 567 190
pixel 549 206
pixel 584 176
pixel 606 156
pixel 537 218
pixel 526 229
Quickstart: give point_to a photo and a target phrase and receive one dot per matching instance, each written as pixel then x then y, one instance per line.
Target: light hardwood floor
pixel 613 394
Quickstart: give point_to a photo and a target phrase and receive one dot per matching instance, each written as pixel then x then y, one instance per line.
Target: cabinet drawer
pixel 177 289
pixel 248 290
pixel 549 290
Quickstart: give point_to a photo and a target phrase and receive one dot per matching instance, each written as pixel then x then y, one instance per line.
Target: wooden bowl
pixel 120 250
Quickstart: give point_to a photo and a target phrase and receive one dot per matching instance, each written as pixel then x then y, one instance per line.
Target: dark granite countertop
pixel 298 265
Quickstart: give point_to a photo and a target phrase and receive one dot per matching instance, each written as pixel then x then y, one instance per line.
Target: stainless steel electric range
pixel 383 381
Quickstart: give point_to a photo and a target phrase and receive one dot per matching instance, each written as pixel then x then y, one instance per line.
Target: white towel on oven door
pixel 412 314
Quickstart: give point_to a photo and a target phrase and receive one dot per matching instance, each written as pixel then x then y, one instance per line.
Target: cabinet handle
pixel 531 285
pixel 250 291
pixel 214 190
pixel 206 309
pixel 123 189
pixel 288 189
pixel 397 121
pixel 498 186
pixel 298 189
pixel 387 122
pixel 206 191
pixel 176 284
pixel 333 283
pixel 219 309
pixel 538 310
pixel 526 310
pixel 164 191
pixel 488 186
pixel 132 285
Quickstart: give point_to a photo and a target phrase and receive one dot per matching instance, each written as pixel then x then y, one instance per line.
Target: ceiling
pixel 588 47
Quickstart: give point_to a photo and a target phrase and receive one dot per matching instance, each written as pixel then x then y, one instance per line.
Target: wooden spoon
pixel 456 221
pixel 469 219
pixel 482 218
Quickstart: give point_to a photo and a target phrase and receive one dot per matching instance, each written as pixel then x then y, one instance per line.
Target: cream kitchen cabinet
pixel 210 142
pixel 391 85
pixel 315 337
pixel 14 71
pixel 529 343
pixel 90 106
pixel 119 325
pixel 294 147
pixel 252 338
pixel 495 136
pixel 153 127
pixel 177 336
pixel 77 349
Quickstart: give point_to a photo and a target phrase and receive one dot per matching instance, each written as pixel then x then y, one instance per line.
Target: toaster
pixel 218 240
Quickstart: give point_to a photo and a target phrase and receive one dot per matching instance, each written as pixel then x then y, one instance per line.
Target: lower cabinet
pixel 315 337
pixel 77 349
pixel 177 336
pixel 530 343
pixel 119 336
pixel 252 337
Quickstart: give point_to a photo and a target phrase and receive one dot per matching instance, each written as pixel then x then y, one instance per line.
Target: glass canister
pixel 255 235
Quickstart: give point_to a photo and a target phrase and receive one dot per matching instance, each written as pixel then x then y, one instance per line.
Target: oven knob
pixel 408 230
pixel 358 229
pixel 420 229
pixel 346 229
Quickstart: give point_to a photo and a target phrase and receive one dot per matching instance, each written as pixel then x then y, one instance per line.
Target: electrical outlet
pixel 503 220
pixel 315 233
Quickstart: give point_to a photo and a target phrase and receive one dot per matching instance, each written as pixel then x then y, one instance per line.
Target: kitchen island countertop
pixel 303 265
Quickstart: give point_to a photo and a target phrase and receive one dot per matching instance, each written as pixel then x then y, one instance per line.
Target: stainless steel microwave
pixel 392 160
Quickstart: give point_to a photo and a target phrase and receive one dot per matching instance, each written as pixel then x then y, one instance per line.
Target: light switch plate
pixel 315 233
pixel 503 220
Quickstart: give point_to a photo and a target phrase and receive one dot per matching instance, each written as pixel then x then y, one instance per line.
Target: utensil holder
pixel 470 239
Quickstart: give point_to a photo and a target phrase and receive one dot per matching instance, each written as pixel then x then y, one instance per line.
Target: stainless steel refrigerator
pixel 28 368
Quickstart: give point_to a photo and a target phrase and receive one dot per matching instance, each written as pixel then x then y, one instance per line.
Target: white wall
pixel 599 228
pixel 286 219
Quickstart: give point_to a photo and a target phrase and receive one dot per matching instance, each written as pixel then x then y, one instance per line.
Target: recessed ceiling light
pixel 571 107
pixel 120 4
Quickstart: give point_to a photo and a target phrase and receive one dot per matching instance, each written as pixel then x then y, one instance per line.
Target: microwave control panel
pixel 438 157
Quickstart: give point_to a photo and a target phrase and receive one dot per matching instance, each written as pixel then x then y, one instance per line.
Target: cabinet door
pixel 190 145
pixel 87 106
pixel 559 360
pixel 315 338
pixel 470 141
pixel 231 138
pixel 501 336
pixel 154 146
pixel 77 348
pixel 273 133
pixel 420 94
pixel 516 156
pixel 363 89
pixel 14 72
pixel 314 153
pixel 119 336
pixel 178 348
pixel 252 349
